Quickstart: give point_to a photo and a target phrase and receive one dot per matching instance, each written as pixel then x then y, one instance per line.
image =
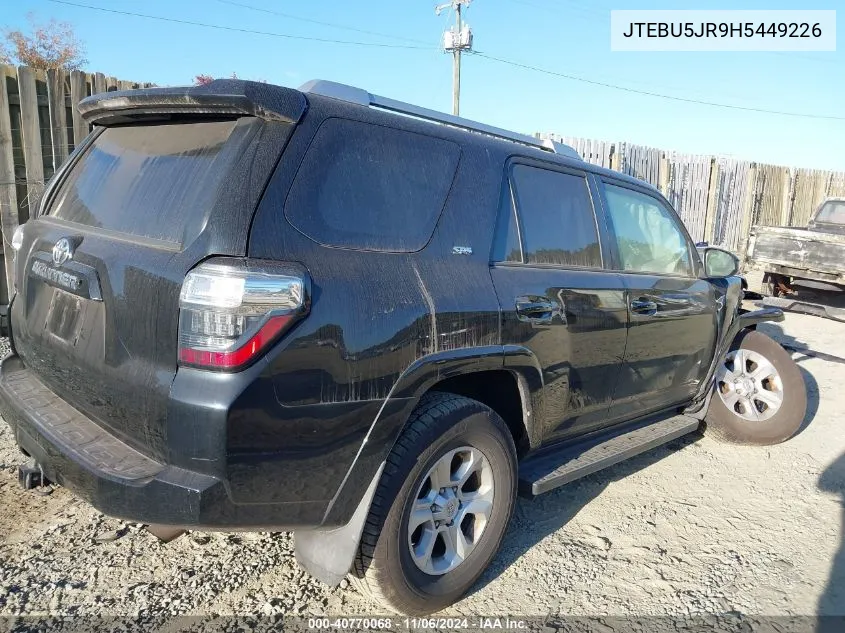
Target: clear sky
pixel 563 36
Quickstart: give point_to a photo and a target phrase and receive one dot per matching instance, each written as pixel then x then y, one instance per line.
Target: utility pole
pixel 456 67
pixel 456 40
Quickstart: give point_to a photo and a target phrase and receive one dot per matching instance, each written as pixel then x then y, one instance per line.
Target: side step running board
pixel 555 468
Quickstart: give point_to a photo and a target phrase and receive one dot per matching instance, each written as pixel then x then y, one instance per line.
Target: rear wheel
pixel 769 287
pixel 774 284
pixel 441 508
pixel 760 394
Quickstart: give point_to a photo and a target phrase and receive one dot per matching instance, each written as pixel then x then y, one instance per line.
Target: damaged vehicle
pixel 243 306
pixel 814 257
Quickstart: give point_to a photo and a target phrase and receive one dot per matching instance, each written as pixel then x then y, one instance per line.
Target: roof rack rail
pixel 360 96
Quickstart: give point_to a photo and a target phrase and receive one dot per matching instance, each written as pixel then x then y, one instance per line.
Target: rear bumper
pixel 117 479
pixel 830 276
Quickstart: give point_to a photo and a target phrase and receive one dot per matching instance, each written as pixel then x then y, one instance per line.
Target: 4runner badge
pixel 62 251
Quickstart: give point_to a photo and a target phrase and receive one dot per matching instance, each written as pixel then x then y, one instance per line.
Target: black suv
pixel 321 310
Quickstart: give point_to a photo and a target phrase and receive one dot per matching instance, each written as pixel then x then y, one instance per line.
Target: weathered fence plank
pixel 712 202
pixel 768 194
pixel 58 116
pixel 747 208
pixel 641 162
pixel 811 187
pixel 836 186
pixel 686 186
pixel 31 133
pixel 731 194
pixel 786 199
pixel 8 193
pixel 78 91
pixel 99 84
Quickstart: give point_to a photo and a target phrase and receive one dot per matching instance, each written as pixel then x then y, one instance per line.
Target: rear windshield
pixel 147 180
pixel 832 212
pixel 370 187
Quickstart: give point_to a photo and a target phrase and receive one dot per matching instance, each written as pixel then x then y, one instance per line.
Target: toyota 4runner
pixel 322 310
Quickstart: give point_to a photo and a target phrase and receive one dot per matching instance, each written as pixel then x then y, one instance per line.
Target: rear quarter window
pixel 369 187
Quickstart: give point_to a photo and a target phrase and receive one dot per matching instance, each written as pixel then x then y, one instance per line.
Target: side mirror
pixel 720 263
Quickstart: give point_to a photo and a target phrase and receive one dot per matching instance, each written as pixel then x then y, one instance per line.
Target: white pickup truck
pixel 814 256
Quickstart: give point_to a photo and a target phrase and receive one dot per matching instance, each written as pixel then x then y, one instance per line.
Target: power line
pixel 657 94
pixel 311 21
pixel 580 11
pixel 477 53
pixel 236 29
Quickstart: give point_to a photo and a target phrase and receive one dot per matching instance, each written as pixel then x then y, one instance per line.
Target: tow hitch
pixel 31 476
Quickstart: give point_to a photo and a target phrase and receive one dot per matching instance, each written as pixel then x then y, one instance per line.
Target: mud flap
pixel 328 554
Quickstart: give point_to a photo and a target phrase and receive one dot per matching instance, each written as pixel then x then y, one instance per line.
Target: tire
pixel 772 283
pixel 770 288
pixel 773 424
pixel 385 569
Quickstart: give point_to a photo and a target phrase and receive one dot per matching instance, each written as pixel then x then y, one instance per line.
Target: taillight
pixel 231 310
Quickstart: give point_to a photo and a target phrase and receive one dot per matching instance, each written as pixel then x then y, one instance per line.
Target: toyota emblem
pixel 62 251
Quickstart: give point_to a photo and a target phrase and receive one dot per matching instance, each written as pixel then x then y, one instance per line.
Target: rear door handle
pixel 535 309
pixel 643 306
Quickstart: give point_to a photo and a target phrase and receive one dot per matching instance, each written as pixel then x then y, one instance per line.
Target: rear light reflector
pixel 235 358
pixel 231 310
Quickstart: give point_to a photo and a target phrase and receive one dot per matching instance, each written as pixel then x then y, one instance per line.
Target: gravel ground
pixel 693 528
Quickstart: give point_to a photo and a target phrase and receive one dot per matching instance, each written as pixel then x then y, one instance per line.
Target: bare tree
pixel 53 45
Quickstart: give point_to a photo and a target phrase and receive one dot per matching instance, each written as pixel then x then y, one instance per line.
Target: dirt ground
pixel 693 528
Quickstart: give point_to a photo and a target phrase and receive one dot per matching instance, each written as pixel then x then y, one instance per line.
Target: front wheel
pixel 760 394
pixel 441 509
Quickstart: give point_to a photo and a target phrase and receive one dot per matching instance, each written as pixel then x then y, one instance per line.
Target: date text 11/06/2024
pixel 418 624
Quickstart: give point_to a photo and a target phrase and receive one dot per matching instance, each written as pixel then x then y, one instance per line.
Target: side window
pixel 370 187
pixel 649 237
pixel 506 247
pixel 558 222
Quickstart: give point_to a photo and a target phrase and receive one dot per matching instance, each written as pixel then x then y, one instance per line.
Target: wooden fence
pixel 39 126
pixel 719 199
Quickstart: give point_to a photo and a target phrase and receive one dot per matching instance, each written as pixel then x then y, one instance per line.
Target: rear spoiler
pixel 232 97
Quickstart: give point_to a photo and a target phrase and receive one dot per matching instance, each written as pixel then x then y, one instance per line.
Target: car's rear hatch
pixel 168 178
